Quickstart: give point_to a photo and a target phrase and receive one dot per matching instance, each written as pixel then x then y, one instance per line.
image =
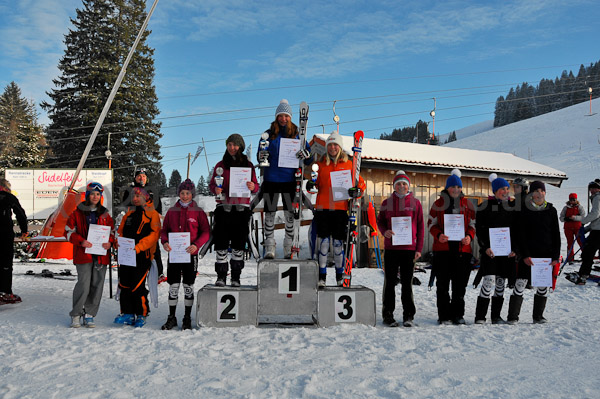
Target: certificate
pixel 288 148
pixel 126 253
pixel 402 228
pixel 238 177
pixel 97 235
pixel 179 242
pixel 541 272
pixel 454 227
pixel 500 241
pixel 341 181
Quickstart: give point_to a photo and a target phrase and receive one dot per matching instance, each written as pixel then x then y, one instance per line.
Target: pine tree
pixel 174 180
pixel 202 188
pixel 22 143
pixel 96 48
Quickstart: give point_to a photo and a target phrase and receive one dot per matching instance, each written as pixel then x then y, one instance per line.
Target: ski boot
pixel 186 324
pixel 127 319
pixel 140 321
pixel 170 323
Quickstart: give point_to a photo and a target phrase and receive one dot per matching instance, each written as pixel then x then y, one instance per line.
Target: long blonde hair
pixel 340 157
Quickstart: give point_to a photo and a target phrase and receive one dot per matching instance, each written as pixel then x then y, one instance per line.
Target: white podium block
pixel 287 291
pixel 226 306
pixel 338 305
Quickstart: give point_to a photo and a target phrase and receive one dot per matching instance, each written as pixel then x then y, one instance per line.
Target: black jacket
pixel 538 232
pixel 9 204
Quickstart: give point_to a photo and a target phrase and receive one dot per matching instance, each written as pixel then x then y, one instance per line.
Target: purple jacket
pixel 395 206
pixel 191 219
pixel 229 200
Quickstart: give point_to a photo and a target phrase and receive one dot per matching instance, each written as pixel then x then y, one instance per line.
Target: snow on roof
pixel 386 151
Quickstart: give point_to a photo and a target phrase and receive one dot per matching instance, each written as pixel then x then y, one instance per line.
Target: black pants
pixel 331 223
pixel 451 267
pixel 186 271
pixel 394 261
pixel 592 245
pixel 7 252
pixel 231 228
pixel 134 294
pixel 271 192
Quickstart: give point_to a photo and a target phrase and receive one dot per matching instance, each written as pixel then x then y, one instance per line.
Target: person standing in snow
pixel 232 214
pixel 451 258
pixel 520 186
pixel 592 242
pixel 495 212
pixel 400 256
pixel 184 216
pixel 280 180
pixel 571 215
pixel 538 237
pixel 142 223
pixel 91 269
pixel 9 204
pixel 331 207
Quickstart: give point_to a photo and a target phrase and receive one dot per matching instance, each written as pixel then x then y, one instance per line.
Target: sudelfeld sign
pixel 41 191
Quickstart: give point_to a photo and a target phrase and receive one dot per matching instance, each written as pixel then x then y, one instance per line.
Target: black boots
pixel 236 271
pixel 539 304
pixel 221 269
pixel 497 302
pixel 171 322
pixel 481 309
pixel 514 308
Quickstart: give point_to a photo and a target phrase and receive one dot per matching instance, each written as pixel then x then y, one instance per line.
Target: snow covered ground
pixel 43 358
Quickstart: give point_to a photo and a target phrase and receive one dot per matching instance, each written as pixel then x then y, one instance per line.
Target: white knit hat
pixel 283 108
pixel 336 138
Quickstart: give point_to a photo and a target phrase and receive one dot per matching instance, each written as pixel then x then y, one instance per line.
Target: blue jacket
pixel 276 174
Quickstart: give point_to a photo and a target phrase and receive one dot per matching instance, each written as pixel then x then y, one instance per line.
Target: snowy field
pixel 43 358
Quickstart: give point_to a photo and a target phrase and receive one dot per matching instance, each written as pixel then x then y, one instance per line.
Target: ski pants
pixel 87 293
pixel 404 261
pixel 176 272
pixel 451 267
pixel 331 225
pixel 592 245
pixel 231 227
pixel 7 252
pixel 134 294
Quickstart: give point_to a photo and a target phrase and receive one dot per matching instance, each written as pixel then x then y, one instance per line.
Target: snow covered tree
pixel 22 143
pixel 202 187
pixel 174 180
pixel 96 48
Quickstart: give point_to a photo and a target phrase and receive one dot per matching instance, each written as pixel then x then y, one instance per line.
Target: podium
pixel 286 293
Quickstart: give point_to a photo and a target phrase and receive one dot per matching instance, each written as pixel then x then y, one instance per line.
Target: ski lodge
pixel 429 166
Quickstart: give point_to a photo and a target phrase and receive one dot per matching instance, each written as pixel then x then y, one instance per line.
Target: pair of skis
pixel 298 196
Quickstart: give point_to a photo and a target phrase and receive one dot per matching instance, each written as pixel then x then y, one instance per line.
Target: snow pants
pixel 592 245
pixel 87 293
pixel 7 252
pixel 451 267
pixel 134 294
pixel 404 261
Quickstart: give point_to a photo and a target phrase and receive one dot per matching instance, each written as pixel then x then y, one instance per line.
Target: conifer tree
pixel 22 143
pixel 96 47
pixel 175 180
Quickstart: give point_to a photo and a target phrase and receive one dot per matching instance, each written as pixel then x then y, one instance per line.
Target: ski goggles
pixel 95 186
pixel 140 171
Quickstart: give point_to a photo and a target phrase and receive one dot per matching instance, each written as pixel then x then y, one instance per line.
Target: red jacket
pixel 395 206
pixel 190 219
pixel 212 185
pixel 76 231
pixel 436 222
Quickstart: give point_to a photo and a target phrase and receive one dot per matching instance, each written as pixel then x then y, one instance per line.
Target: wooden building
pixel 429 166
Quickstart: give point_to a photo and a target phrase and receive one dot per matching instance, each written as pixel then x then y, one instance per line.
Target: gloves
pixel 310 186
pixel 568 219
pixel 303 154
pixel 354 192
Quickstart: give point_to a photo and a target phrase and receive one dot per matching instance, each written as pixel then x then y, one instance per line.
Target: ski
pixel 298 197
pixel 61 275
pixel 353 210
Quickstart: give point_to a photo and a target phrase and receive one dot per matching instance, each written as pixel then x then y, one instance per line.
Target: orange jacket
pixel 323 184
pixel 145 229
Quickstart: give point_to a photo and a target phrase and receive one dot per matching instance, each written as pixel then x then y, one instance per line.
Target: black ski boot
pixel 497 302
pixel 236 271
pixel 539 304
pixel 388 320
pixel 481 309
pixel 221 269
pixel 186 323
pixel 514 309
pixel 171 322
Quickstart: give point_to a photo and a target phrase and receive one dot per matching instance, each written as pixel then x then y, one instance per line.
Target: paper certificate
pixel 97 235
pixel 126 253
pixel 402 228
pixel 500 241
pixel 288 148
pixel 341 181
pixel 454 227
pixel 541 272
pixel 238 177
pixel 179 242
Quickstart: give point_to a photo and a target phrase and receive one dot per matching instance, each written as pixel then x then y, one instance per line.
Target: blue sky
pixel 222 67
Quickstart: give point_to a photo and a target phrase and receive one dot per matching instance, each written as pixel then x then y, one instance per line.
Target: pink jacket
pixel 190 219
pixel 395 206
pixel 232 200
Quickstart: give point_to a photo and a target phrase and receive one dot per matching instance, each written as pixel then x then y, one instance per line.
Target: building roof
pixel 402 154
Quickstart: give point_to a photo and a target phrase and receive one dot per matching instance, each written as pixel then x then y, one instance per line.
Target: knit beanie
pixel 237 140
pixel 594 184
pixel 335 138
pixel 142 192
pixel 573 196
pixel 283 108
pixel 188 185
pixel 537 184
pixel 93 186
pixel 497 182
pixel 454 179
pixel 401 176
